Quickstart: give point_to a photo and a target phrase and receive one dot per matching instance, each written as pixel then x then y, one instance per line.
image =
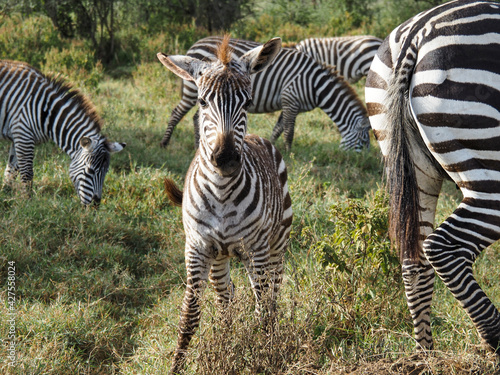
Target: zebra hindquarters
pixel 452 250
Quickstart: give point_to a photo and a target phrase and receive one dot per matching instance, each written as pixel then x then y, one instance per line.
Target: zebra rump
pixel 432 95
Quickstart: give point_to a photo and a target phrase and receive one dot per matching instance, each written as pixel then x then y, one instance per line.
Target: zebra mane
pixel 68 91
pixel 224 50
pixel 334 73
pixel 289 45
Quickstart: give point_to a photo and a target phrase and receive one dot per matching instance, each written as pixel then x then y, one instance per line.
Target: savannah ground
pixel 99 291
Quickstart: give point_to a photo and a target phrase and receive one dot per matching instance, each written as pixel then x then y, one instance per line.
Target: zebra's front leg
pixel 198 265
pixel 12 169
pixel 290 113
pixel 452 250
pixel 220 278
pixel 25 153
pixel 196 126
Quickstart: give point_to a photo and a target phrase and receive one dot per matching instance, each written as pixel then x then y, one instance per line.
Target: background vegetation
pixel 98 292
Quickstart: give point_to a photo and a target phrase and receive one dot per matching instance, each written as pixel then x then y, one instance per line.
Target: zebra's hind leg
pixel 25 153
pixel 198 265
pixel 177 114
pixel 278 129
pixel 452 250
pixel 11 171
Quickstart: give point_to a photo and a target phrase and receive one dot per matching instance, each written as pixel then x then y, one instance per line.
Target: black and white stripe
pixel 34 109
pixel 350 55
pixel 295 83
pixel 433 98
pixel 235 201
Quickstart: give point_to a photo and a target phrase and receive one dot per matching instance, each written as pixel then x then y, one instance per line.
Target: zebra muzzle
pixel 225 157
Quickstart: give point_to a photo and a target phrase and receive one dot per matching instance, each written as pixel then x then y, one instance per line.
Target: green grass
pixel 99 292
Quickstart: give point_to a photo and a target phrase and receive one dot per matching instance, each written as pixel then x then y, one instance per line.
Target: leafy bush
pixel 27 39
pixel 75 62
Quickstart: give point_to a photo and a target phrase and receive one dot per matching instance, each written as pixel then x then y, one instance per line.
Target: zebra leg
pixel 290 113
pixel 25 153
pixel 452 250
pixel 12 169
pixel 278 129
pixel 198 265
pixel 177 114
pixel 220 279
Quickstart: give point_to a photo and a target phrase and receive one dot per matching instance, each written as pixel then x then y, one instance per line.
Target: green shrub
pixel 76 62
pixel 27 39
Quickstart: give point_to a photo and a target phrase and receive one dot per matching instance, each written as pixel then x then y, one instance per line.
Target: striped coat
pixel 432 95
pixel 350 55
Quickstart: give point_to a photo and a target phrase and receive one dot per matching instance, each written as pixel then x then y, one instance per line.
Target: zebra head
pixel 224 95
pixel 89 167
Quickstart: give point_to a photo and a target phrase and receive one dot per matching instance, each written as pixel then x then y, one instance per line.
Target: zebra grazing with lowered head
pixel 235 201
pixel 350 55
pixel 34 109
pixel 432 95
pixel 295 83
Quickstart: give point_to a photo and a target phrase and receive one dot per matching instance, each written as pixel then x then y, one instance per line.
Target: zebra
pixel 235 201
pixel 432 97
pixel 36 108
pixel 295 83
pixel 350 55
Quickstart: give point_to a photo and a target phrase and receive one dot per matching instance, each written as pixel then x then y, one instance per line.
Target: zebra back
pixel 351 55
pixel 38 108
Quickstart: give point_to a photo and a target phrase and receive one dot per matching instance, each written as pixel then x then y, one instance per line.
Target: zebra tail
pixel 401 179
pixel 174 194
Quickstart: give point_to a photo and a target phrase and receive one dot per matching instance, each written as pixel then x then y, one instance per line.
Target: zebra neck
pixel 221 187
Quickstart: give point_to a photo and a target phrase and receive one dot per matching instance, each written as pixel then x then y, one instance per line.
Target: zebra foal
pixel 295 83
pixel 433 99
pixel 34 109
pixel 350 55
pixel 235 201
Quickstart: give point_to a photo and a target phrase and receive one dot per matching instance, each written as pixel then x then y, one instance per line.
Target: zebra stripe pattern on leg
pixel 432 96
pixel 36 109
pixel 295 83
pixel 350 55
pixel 235 201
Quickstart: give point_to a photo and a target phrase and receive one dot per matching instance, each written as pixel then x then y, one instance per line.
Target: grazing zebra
pixel 350 55
pixel 235 201
pixel 294 83
pixel 34 109
pixel 433 98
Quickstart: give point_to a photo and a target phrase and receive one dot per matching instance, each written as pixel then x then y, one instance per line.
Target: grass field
pixel 99 292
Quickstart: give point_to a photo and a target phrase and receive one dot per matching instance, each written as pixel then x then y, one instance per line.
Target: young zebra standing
pixel 235 201
pixel 295 83
pixel 35 109
pixel 350 55
pixel 433 98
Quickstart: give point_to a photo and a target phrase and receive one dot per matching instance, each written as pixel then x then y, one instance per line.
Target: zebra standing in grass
pixel 35 109
pixel 350 55
pixel 433 98
pixel 235 200
pixel 295 83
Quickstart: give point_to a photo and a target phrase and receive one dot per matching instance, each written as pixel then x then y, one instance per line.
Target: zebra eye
pixel 247 104
pixel 202 102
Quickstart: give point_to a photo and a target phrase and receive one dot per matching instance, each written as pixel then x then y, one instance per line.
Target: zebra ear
pixel 116 146
pixel 186 67
pixel 261 57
